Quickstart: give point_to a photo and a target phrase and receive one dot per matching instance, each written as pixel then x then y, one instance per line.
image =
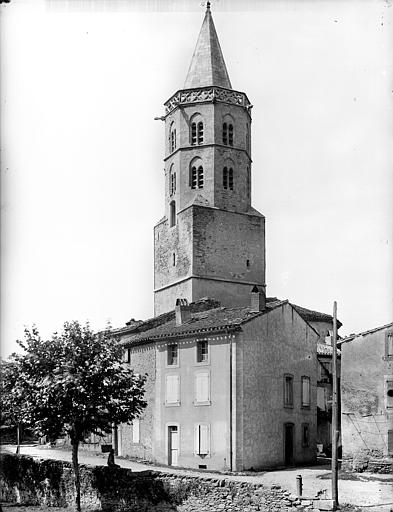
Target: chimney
pixel 258 299
pixel 182 311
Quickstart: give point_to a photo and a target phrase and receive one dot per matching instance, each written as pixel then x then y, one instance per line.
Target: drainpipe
pixel 230 406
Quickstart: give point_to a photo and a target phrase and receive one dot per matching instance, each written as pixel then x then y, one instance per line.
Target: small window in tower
pixel 230 178
pixel 248 182
pixel 172 182
pixel 193 134
pixel 200 132
pixel 225 177
pixel 173 259
pixel 172 214
pixel 200 177
pixel 225 133
pixel 193 177
pixel 172 138
pixel 230 134
pixel 247 263
pixel 247 137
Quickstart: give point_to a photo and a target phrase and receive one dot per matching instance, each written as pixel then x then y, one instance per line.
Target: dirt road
pixel 373 492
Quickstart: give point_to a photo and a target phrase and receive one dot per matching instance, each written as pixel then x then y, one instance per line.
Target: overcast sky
pixel 82 157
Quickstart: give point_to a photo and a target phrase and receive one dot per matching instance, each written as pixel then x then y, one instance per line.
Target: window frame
pixel 199 403
pixel 388 346
pixel 305 405
pixel 175 403
pixel 199 360
pixel 169 347
pixel 136 428
pixel 172 214
pixel 197 440
pixel 288 377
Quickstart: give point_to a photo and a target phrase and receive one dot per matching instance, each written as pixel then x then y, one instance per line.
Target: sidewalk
pixel 375 492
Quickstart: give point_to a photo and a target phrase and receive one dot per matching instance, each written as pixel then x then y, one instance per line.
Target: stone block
pixel 323 504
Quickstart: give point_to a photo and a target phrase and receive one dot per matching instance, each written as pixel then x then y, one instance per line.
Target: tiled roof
pixel 314 316
pixel 212 320
pixel 364 333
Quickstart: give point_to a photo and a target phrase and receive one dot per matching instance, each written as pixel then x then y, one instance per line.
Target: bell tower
pixel 211 242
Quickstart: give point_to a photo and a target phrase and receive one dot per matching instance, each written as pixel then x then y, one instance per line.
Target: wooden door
pixel 288 443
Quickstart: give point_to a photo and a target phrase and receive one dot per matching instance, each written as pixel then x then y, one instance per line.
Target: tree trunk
pixel 18 439
pixel 75 446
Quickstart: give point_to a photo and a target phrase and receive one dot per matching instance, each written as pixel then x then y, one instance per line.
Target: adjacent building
pixel 367 392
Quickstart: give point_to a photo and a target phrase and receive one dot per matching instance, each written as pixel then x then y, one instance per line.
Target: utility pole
pixel 334 413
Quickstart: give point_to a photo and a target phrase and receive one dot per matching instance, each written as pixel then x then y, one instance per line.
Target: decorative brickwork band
pixel 203 94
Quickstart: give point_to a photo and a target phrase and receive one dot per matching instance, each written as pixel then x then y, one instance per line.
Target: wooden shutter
pixel 305 391
pixel 202 387
pixel 172 389
pixel 204 439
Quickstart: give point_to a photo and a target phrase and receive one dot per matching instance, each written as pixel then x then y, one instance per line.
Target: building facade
pixel 367 392
pixel 231 375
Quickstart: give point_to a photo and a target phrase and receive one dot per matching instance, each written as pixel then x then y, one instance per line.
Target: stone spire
pixel 207 65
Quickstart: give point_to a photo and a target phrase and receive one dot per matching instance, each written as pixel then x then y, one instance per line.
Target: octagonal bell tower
pixel 211 242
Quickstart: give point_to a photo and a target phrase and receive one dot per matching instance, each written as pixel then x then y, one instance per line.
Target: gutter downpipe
pixel 230 406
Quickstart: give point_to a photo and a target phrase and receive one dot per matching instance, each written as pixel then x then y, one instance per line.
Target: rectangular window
pixel 389 345
pixel 136 431
pixel 305 434
pixel 172 389
pixel 288 390
pixel 172 350
pixel 202 351
pixel 202 439
pixel 127 355
pixel 389 394
pixel 202 388
pixel 305 391
pixel 390 442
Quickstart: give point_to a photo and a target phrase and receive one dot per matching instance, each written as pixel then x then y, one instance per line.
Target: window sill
pixel 201 404
pixel 174 404
pixel 306 407
pixel 202 363
pixel 287 406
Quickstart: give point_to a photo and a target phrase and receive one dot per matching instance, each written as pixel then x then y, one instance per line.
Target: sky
pixel 82 157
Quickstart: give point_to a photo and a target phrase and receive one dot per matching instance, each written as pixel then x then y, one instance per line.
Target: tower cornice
pixel 210 94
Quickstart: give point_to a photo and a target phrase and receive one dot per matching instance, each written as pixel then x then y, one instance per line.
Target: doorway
pixel 173 445
pixel 288 443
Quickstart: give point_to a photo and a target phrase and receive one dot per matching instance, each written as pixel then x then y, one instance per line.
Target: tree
pixel 77 385
pixel 12 392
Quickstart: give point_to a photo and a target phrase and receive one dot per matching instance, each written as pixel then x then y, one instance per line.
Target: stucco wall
pixel 143 361
pixel 365 418
pixel 271 346
pixel 187 414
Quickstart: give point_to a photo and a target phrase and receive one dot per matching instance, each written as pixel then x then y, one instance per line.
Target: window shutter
pixel 172 389
pixel 306 391
pixel 204 440
pixel 135 431
pixel 202 387
pixel 196 440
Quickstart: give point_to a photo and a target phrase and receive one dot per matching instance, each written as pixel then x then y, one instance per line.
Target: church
pixel 231 374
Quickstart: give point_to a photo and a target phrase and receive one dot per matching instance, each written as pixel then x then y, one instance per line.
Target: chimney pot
pixel 258 299
pixel 182 311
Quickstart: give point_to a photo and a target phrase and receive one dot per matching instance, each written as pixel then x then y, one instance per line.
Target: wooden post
pixel 334 413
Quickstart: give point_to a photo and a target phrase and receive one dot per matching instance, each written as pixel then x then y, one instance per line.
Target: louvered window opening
pixel 227 178
pixel 197 177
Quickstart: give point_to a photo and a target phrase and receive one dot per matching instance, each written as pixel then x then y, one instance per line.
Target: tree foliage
pixel 75 384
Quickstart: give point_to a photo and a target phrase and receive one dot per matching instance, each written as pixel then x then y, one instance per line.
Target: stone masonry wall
pixel 28 481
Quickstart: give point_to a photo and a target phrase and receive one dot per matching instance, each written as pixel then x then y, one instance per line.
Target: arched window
pixel 172 181
pixel 200 132
pixel 230 134
pixel 196 177
pixel 196 132
pixel 193 134
pixel 227 178
pixel 172 138
pixel 172 214
pixel 225 134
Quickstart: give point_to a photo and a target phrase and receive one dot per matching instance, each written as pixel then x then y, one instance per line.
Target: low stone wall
pixel 364 462
pixel 30 481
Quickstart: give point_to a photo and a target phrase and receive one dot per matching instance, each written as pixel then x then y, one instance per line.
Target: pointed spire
pixel 207 65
